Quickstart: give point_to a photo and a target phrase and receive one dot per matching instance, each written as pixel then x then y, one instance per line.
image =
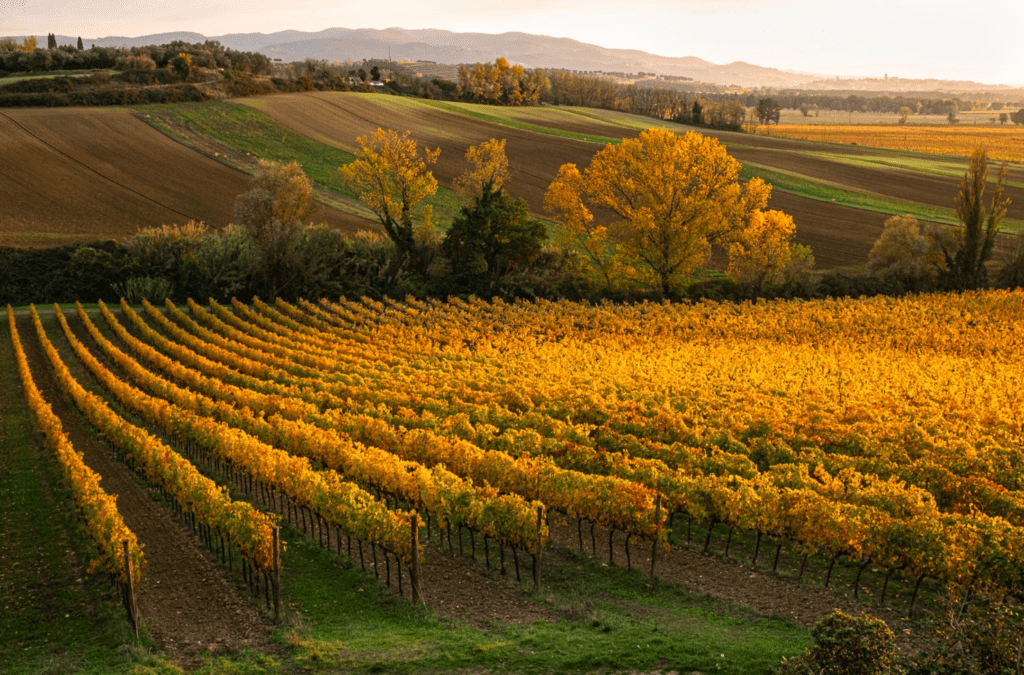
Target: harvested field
pixel 81 174
pixel 839 235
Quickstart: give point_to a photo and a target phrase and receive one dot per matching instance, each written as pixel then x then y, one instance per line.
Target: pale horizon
pixel 912 39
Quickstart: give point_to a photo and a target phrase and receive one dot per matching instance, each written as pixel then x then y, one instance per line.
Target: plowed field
pixel 80 174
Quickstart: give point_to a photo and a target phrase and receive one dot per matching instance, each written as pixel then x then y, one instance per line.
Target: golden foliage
pixel 764 254
pixel 672 196
pixel 391 178
pixel 501 83
pixel 490 165
pixel 291 190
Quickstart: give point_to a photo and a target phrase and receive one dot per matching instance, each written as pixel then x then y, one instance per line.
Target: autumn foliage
pixel 669 199
pixel 392 179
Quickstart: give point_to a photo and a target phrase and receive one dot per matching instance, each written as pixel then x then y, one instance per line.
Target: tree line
pixel 210 54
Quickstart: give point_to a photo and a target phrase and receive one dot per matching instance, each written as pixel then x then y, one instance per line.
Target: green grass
pixel 948 167
pixel 342 621
pixel 492 114
pixel 249 131
pixel 833 192
pixel 780 180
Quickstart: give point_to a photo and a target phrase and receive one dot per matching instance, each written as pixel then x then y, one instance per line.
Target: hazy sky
pixel 948 39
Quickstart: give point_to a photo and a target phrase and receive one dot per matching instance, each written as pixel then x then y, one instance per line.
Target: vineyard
pixel 850 434
pixel 1003 143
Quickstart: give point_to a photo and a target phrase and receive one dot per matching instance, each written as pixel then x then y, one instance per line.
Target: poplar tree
pixel 971 246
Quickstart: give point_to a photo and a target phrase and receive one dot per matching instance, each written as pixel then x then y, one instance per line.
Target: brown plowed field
pixel 838 235
pixel 80 174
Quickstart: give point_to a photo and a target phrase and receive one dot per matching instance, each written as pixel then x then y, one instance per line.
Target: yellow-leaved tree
pixel 671 198
pixel 564 200
pixel 764 254
pixel 490 167
pixel 392 179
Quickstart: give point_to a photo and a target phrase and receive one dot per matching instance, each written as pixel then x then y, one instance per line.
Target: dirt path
pixel 187 603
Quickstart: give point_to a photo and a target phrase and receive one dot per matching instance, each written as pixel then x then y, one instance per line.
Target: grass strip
pixel 792 183
pixel 610 620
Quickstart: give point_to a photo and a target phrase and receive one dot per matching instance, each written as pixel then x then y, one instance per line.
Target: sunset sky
pixel 947 39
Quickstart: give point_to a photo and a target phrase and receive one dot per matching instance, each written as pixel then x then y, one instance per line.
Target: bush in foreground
pixel 847 645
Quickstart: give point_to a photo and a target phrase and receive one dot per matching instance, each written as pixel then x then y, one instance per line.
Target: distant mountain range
pixel 534 51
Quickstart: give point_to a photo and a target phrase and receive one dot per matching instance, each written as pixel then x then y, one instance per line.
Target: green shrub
pixel 848 645
pixel 137 289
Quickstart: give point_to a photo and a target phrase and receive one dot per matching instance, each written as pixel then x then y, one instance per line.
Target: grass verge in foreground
pixel 341 620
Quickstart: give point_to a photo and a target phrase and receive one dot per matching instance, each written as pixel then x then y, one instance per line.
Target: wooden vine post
pixel 414 568
pixel 536 556
pixel 277 573
pixel 657 529
pixel 130 605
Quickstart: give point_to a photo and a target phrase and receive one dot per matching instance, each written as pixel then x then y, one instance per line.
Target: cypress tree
pixel 51 41
pixel 80 45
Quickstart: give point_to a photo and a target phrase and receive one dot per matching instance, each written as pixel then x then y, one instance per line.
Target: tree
pixel 768 111
pixel 564 200
pixel 375 74
pixel 391 178
pixel 970 247
pixel 1017 117
pixel 902 250
pixel 490 168
pixel 272 215
pixel 51 41
pixel 697 113
pixel 952 117
pixel 904 114
pixel 491 238
pixel 81 46
pixel 1004 118
pixel 182 66
pixel 671 198
pixel 10 44
pixel 764 254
